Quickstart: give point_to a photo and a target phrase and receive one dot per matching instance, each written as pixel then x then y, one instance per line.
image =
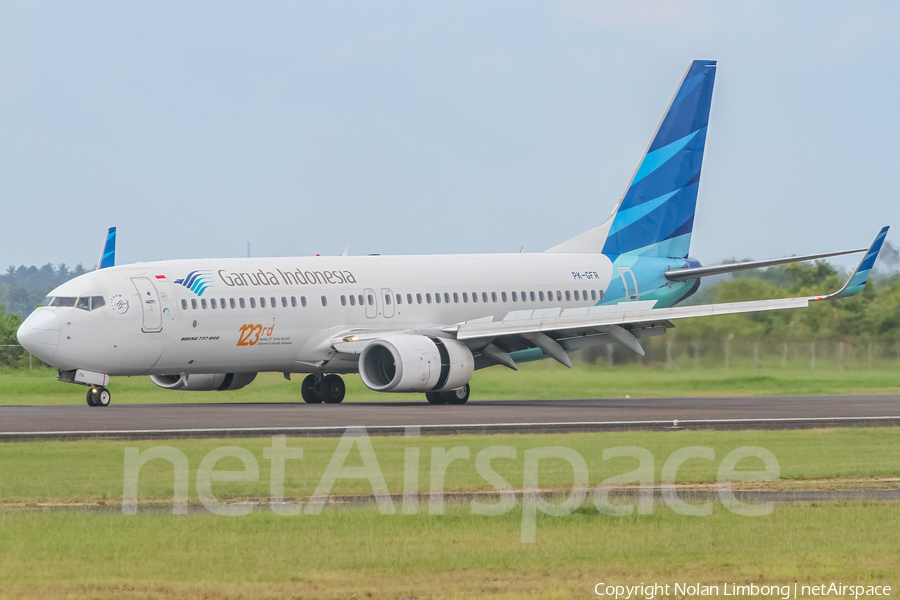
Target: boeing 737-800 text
pixel 406 323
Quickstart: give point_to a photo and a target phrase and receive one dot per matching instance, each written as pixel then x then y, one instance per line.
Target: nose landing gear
pixel 98 396
pixel 328 389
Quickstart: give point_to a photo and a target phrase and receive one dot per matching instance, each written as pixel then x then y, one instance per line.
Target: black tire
pixel 458 396
pixel 103 397
pixel 308 390
pixel 90 397
pixel 332 389
pixel 435 398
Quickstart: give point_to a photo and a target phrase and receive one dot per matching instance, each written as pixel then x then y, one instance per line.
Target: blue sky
pixel 408 127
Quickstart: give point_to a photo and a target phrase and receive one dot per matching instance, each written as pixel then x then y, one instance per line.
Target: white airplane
pixel 406 323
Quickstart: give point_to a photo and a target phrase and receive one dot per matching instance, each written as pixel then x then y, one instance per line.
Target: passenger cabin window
pixel 399 299
pixel 243 305
pixel 465 298
pixel 361 302
pixel 324 301
pixel 371 299
pixel 541 295
pixel 428 298
pixel 576 295
pixel 212 302
pixel 293 301
pixel 514 297
pixel 231 302
pixel 559 295
pixel 455 298
pixel 568 296
pixel 262 302
pixel 601 294
pixel 274 304
pixel 418 298
pixel 493 296
pixel 203 303
pixel 283 302
pixel 387 299
pixel 183 304
pixel 532 296
pixel 474 297
pixel 194 303
pixel 446 297
pixel 303 301
pixel 484 296
pixel 252 302
pixel 437 298
pixel 83 303
pixel 583 294
pixel 352 300
pixel 343 300
pixel 409 298
pixel 503 296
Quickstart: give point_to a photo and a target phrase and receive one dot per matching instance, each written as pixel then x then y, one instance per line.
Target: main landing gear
pixel 457 396
pixel 98 396
pixel 328 389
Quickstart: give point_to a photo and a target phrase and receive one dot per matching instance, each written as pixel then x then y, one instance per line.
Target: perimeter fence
pixel 710 353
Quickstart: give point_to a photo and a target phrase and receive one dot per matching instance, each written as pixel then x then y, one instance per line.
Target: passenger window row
pixel 369 299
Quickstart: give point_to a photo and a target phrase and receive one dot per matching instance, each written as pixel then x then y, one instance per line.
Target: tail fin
pixel 108 256
pixel 655 216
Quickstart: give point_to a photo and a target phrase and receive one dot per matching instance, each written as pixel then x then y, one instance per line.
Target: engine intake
pixel 203 382
pixel 415 363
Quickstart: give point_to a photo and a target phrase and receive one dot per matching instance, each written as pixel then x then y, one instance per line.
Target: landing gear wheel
pixel 103 397
pixel 332 389
pixel 98 396
pixel 308 390
pixel 435 398
pixel 458 396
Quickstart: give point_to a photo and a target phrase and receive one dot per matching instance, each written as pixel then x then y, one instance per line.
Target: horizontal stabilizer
pixel 698 272
pixel 860 276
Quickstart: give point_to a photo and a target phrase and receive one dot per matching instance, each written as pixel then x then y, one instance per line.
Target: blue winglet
pixel 108 256
pixel 860 276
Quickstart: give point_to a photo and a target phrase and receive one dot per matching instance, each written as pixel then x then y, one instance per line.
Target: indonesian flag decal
pixel 161 278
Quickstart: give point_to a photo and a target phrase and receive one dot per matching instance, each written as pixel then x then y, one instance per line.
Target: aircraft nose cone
pixel 39 334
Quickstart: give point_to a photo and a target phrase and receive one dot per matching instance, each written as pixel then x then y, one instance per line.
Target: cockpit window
pixel 46 301
pixel 97 302
pixel 65 301
pixel 83 303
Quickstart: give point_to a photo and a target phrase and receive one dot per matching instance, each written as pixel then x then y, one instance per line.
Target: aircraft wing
pixel 557 331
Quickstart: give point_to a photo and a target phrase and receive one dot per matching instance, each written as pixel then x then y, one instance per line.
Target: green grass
pixel 361 553
pixel 92 471
pixel 542 380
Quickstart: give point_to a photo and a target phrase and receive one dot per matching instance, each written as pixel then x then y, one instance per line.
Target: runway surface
pixel 144 421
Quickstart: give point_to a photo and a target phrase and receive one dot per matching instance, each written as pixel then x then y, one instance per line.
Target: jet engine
pixel 415 363
pixel 203 382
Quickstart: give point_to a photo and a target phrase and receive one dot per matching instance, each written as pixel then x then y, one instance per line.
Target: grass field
pixel 363 554
pixel 92 471
pixel 542 380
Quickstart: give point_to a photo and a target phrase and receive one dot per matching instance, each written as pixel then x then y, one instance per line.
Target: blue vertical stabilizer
pixel 108 256
pixel 656 215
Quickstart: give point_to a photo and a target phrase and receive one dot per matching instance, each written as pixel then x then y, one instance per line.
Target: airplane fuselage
pixel 282 314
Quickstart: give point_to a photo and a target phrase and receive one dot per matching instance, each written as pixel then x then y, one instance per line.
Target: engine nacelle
pixel 415 363
pixel 203 382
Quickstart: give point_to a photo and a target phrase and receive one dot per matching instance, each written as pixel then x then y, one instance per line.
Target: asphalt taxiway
pixel 227 419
